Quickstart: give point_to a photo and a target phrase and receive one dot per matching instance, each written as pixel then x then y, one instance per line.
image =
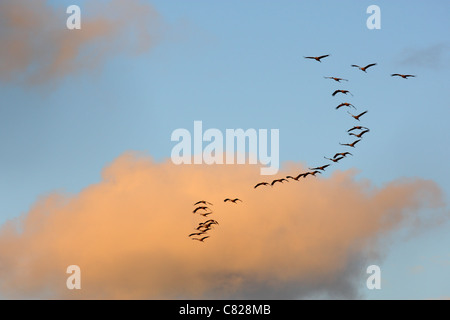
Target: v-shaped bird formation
pixel 357 131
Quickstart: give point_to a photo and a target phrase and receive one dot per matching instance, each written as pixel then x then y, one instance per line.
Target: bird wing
pixel 370 65
pixel 356 66
pixel 324 56
pixel 337 154
pixel 361 114
pixel 396 74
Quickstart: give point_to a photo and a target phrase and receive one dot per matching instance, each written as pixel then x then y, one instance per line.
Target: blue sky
pixel 239 64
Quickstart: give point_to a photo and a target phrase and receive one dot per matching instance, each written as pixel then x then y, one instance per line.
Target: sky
pixel 86 118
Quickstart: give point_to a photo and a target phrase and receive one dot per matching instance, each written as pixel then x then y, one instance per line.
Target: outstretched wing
pixel 370 65
pixel 361 114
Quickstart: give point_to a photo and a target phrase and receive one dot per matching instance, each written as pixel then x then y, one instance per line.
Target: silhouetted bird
pixel 357 128
pixel 201 240
pixel 341 91
pixel 313 173
pixel 297 177
pixel 336 79
pixel 321 168
pixel 203 202
pixel 232 200
pixel 360 134
pixel 343 154
pixel 206 214
pixel 345 104
pixel 404 76
pixel 318 58
pixel 364 68
pixel 358 116
pixel 278 180
pixel 200 208
pixel 196 234
pixel 261 184
pixel 350 144
pixel 335 159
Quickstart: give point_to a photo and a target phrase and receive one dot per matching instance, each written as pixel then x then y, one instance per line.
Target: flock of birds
pixel 203 209
pixel 357 131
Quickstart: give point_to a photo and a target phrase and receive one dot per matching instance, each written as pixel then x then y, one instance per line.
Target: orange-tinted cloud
pixel 37 47
pixel 128 233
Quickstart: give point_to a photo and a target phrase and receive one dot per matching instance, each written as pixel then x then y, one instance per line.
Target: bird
pixel 205 228
pixel 350 144
pixel 321 168
pixel 211 221
pixel 360 134
pixel 341 91
pixel 206 214
pixel 404 76
pixel 200 208
pixel 232 200
pixel 297 177
pixel 358 116
pixel 313 173
pixel 261 184
pixel 201 240
pixel 345 104
pixel 196 234
pixel 203 202
pixel 279 180
pixel 336 160
pixel 318 58
pixel 364 68
pixel 357 128
pixel 342 154
pixel 336 79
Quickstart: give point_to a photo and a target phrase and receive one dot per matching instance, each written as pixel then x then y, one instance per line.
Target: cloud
pixel 37 47
pixel 432 57
pixel 128 233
